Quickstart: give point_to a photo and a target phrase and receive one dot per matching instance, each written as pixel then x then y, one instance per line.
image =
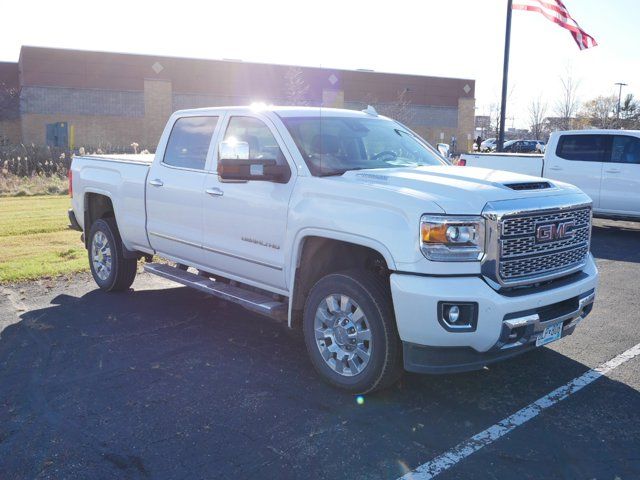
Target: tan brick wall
pixel 158 107
pixel 466 123
pixel 332 98
pixel 432 134
pixel 90 131
pixel 10 132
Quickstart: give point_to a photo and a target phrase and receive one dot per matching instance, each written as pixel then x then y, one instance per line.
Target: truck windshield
pixel 334 145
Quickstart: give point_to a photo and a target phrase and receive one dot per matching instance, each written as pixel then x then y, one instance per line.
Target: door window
pixel 585 148
pixel 189 142
pixel 261 142
pixel 625 149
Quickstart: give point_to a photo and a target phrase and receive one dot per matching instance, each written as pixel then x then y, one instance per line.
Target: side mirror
pixel 255 169
pixel 444 149
pixel 234 164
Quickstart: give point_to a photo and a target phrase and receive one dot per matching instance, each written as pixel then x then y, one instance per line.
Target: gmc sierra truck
pixel 350 227
pixel 604 164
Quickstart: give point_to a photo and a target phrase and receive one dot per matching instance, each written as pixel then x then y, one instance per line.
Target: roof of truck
pixel 286 111
pixel 593 131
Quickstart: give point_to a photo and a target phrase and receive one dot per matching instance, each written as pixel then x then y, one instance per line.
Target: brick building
pixel 82 98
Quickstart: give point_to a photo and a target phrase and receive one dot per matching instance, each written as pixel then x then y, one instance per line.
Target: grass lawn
pixel 35 241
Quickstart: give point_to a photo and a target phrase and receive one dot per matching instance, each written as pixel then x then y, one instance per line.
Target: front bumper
pixel 507 324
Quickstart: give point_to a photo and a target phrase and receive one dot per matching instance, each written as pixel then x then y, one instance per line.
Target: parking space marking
pixel 450 458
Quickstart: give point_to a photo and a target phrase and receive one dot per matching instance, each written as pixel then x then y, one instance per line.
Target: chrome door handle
pixel 216 192
pixel 156 183
pixel 613 170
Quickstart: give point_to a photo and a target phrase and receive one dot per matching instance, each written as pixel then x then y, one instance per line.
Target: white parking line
pixel 463 450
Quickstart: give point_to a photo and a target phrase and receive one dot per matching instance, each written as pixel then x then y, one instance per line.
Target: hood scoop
pixel 528 185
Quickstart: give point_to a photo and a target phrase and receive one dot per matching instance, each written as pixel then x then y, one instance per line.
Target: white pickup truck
pixel 605 164
pixel 351 227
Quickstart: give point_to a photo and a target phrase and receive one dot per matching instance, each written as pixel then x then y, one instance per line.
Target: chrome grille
pixel 522 246
pixel 512 227
pixel 522 258
pixel 543 264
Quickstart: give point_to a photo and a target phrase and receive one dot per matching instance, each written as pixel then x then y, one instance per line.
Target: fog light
pixel 453 314
pixel 458 316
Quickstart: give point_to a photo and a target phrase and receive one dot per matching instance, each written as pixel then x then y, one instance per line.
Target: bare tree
pixel 296 88
pixel 400 109
pixel 537 114
pixel 600 112
pixel 567 105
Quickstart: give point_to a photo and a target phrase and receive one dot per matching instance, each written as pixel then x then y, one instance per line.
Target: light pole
pixel 620 84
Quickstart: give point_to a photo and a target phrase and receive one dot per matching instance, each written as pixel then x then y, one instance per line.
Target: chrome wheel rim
pixel 101 255
pixel 342 335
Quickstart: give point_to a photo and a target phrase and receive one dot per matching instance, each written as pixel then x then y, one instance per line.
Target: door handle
pixel 613 170
pixel 555 167
pixel 215 192
pixel 156 183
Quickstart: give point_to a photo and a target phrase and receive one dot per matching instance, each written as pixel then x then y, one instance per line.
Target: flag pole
pixel 505 72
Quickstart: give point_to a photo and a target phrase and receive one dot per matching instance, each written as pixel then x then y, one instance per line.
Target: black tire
pixel 371 293
pixel 123 270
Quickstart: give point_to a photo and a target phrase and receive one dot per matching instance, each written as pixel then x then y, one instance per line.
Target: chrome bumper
pixel 523 330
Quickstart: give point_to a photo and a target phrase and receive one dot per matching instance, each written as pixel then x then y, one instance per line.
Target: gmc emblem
pixel 555 231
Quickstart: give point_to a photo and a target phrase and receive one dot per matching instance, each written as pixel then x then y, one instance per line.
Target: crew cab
pixel 605 164
pixel 350 227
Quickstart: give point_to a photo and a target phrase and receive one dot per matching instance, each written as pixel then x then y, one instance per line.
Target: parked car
pixel 489 145
pixel 349 226
pixel 605 164
pixel 520 146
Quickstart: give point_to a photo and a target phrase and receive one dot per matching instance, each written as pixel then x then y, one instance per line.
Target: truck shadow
pixel 172 383
pixel 612 240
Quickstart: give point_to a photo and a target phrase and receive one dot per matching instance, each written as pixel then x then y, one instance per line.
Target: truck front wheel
pixel 350 331
pixel 110 269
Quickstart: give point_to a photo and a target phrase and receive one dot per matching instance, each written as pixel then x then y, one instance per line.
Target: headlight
pixel 452 238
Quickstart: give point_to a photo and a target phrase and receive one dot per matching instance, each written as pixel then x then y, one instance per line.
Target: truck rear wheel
pixel 350 331
pixel 110 269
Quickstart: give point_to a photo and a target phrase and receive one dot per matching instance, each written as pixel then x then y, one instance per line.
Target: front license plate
pixel 550 334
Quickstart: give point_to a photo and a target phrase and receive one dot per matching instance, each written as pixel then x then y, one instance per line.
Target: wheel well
pixel 96 206
pixel 321 256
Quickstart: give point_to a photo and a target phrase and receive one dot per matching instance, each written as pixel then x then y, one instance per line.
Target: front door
pixel 620 193
pixel 174 190
pixel 578 160
pixel 245 221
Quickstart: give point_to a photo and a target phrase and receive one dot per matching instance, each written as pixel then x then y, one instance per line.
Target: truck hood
pixel 457 190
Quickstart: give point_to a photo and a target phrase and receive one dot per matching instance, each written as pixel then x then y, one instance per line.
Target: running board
pixel 256 302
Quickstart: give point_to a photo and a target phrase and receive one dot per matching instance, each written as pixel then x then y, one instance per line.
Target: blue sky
pixel 456 38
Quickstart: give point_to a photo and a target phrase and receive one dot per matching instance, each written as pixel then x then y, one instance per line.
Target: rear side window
pixel 625 149
pixel 585 148
pixel 189 142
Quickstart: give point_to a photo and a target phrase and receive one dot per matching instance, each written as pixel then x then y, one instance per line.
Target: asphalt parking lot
pixel 165 382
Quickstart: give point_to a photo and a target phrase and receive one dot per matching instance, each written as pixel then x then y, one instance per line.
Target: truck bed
pixel 122 178
pixel 141 158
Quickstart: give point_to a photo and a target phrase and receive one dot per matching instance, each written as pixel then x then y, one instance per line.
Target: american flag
pixel 555 11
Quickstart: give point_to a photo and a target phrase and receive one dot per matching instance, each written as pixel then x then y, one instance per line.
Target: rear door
pixel 578 159
pixel 620 191
pixel 174 189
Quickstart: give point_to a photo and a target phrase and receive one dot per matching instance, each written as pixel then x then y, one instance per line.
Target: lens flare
pixel 360 400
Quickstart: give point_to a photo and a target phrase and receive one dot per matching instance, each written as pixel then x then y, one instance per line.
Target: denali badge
pixel 555 231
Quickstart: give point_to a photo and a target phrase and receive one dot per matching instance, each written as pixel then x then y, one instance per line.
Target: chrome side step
pixel 256 302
